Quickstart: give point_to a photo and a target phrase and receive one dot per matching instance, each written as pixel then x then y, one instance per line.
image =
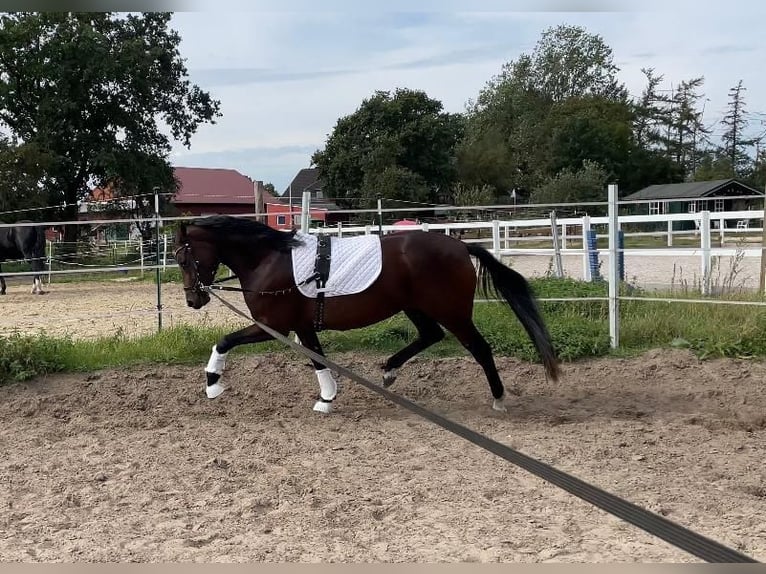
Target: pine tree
pixel 650 112
pixel 686 127
pixel 735 121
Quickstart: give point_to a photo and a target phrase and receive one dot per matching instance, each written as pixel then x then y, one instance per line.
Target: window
pixel 280 219
pixel 319 195
pixel 719 205
pixel 656 208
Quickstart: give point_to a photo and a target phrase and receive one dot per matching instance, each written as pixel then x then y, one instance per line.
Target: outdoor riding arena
pixel 137 464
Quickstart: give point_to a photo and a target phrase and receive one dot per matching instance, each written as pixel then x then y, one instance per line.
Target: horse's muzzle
pixel 197 299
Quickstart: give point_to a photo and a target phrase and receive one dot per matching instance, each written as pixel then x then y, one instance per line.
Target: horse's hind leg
pixel 2 282
pixel 328 388
pixel 469 336
pixel 429 333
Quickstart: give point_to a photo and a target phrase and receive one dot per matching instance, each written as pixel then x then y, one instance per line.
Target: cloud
pixel 286 71
pixel 728 49
pixel 244 76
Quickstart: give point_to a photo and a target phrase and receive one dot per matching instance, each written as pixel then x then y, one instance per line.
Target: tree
pixel 590 128
pixel 21 196
pixel 473 195
pixel 391 139
pixel 269 187
pixel 735 121
pixel 574 186
pixel 136 180
pixel 650 112
pixel 569 62
pixel 509 142
pixel 685 130
pixel 90 90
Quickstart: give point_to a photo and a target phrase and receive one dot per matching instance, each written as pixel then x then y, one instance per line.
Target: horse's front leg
pixel 2 282
pixel 328 388
pixel 217 362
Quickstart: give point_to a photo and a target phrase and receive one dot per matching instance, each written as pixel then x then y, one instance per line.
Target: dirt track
pixel 137 465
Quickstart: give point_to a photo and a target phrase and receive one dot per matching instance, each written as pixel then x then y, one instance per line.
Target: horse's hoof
pixel 499 405
pixel 214 390
pixel 389 378
pixel 323 407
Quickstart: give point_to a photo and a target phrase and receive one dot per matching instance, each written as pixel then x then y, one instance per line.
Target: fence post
pixel 721 225
pixel 670 233
pixel 50 261
pixel 141 254
pixel 496 238
pixel 705 247
pixel 157 224
pixel 614 269
pixel 586 275
pixel 564 237
pixel 556 246
pixel 305 211
pixel 164 251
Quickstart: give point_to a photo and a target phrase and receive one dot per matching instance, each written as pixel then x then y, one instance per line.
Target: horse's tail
pixel 517 292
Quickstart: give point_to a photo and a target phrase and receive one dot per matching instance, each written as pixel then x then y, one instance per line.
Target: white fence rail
pixel 551 236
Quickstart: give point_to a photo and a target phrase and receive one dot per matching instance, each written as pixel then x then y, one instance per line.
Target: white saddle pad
pixel 354 265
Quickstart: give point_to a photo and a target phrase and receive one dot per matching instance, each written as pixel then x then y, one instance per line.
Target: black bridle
pixel 198 286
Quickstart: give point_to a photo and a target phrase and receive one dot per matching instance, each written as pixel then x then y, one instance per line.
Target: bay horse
pixel 428 276
pixel 24 242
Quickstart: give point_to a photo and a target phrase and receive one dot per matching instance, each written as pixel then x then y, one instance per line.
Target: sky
pixel 286 71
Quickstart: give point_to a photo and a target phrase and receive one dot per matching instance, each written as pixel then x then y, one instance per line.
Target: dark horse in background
pixel 428 276
pixel 24 242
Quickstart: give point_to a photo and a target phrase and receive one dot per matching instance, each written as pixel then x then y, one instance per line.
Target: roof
pixel 692 189
pixel 214 186
pixel 307 179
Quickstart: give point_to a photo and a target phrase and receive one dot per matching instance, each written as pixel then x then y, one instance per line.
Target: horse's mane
pixel 245 229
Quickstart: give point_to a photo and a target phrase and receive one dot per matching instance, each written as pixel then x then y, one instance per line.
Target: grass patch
pixel 579 330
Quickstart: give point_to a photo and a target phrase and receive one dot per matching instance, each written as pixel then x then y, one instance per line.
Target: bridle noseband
pixel 198 286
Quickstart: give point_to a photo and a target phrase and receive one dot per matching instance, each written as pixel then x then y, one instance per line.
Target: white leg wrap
pixel 328 388
pixel 217 362
pixel 499 405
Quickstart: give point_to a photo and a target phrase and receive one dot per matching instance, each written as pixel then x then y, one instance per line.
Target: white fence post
pixel 564 237
pixel 670 233
pixel 705 248
pixel 586 275
pixel 614 269
pixel 50 261
pixel 305 211
pixel 496 238
pixel 721 227
pixel 141 254
pixel 556 246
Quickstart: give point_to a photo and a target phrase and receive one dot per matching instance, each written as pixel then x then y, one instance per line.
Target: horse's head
pixel 198 260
